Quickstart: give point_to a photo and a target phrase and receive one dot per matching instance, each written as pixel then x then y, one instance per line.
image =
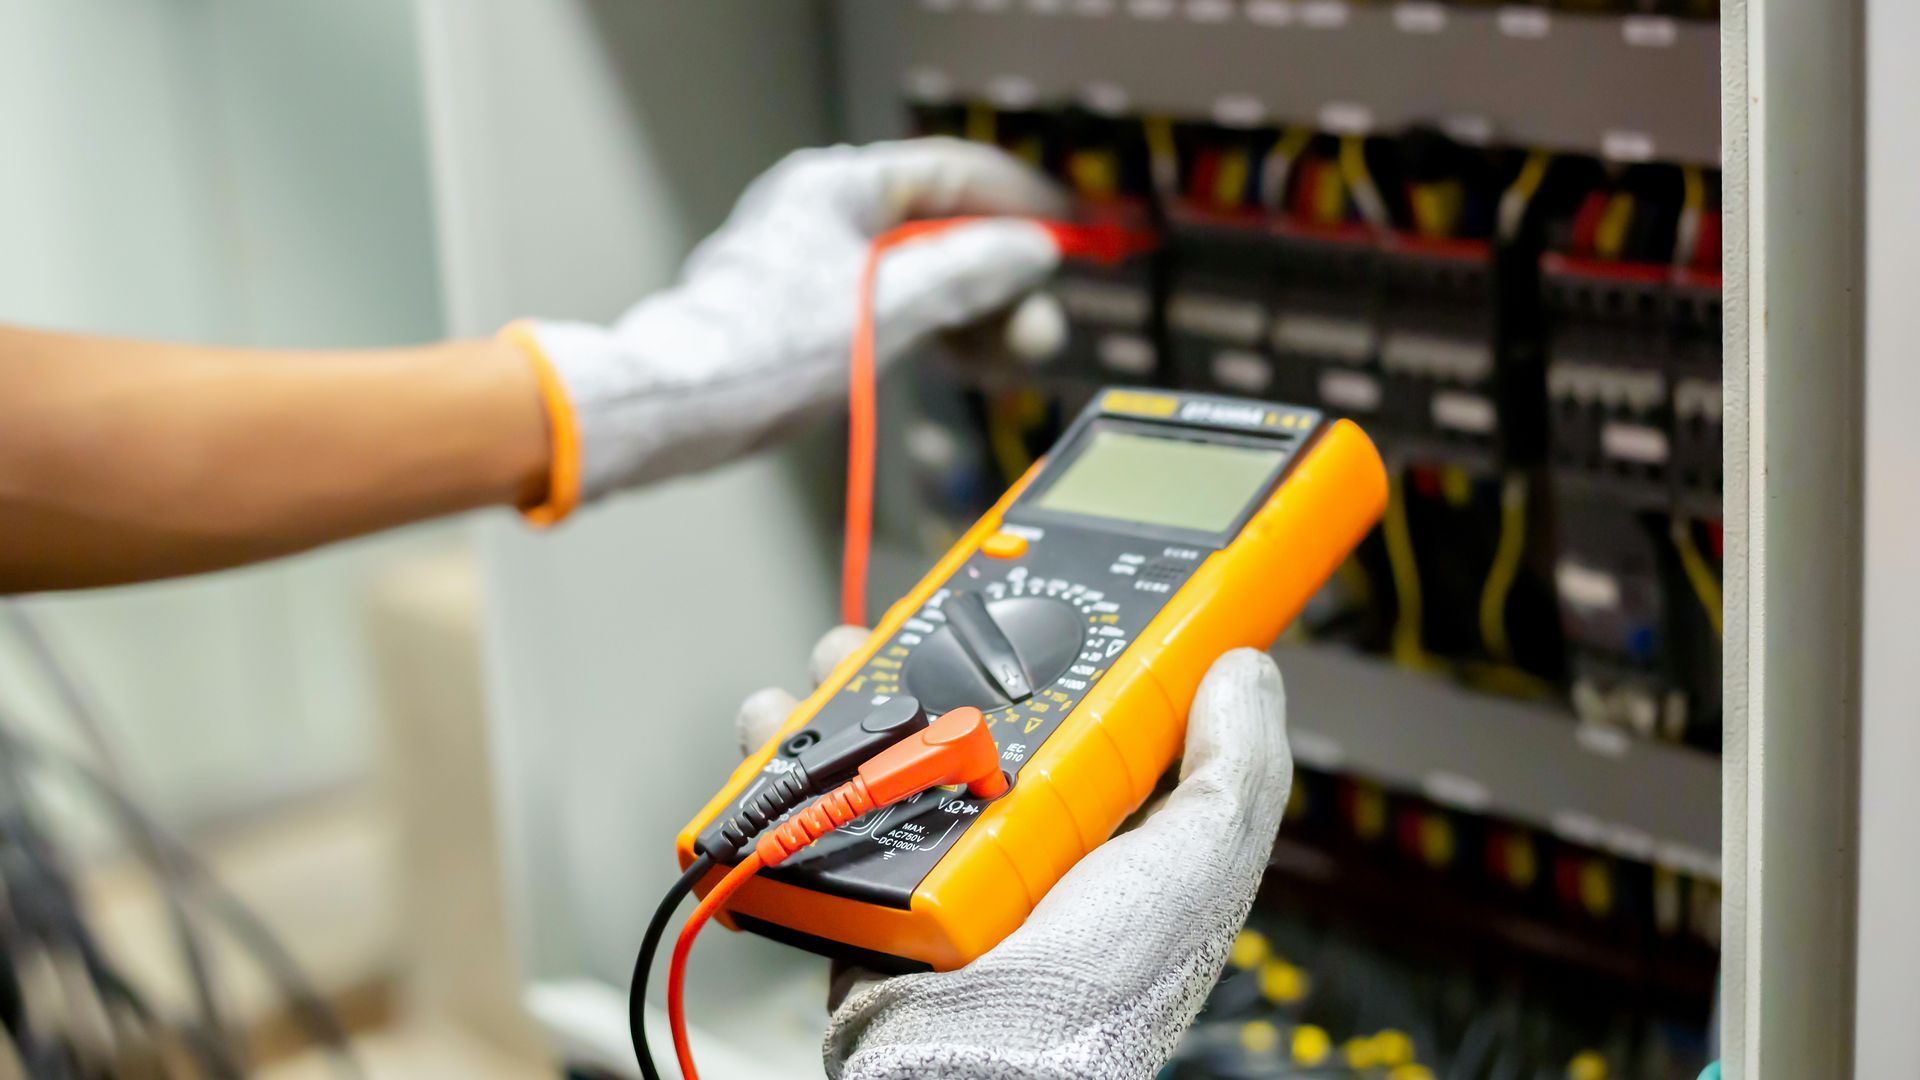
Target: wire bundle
pixel 1652 215
pixel 66 1012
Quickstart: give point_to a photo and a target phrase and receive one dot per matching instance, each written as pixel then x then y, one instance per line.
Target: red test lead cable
pixel 1097 243
pixel 955 749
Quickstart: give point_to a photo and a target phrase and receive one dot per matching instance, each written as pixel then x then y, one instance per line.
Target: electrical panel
pixel 1489 233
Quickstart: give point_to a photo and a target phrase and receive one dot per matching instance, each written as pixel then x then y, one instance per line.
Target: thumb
pixel 1133 937
pixel 953 277
pixel 834 646
pixel 1237 734
pixel 762 714
pixel 760 717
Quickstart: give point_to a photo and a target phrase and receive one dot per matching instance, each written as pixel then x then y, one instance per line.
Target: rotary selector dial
pixel 993 653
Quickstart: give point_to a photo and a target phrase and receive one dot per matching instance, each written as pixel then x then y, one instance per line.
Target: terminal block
pixel 1219 306
pixel 1325 333
pixel 1611 576
pixel 1439 349
pixel 1608 394
pixel 1112 311
pixel 1694 306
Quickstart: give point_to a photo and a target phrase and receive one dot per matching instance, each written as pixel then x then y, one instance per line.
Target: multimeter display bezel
pixel 1027 509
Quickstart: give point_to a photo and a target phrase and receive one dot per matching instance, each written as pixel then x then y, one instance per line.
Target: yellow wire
pixel 1694 186
pixel 1453 203
pixel 1436 208
pixel 1353 167
pixel 1230 182
pixel 1519 195
pixel 1279 165
pixel 1353 577
pixel 1506 567
pixel 1610 237
pixel 1420 198
pixel 1408 649
pixel 1699 574
pixel 1162 153
pixel 1692 204
pixel 1005 436
pixel 1330 201
pixel 1095 173
pixel 1353 160
pixel 982 124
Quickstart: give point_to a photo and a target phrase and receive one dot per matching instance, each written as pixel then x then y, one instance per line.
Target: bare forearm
pixel 124 461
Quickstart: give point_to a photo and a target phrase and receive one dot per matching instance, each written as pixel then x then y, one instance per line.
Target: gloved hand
pixel 755 336
pixel 1116 961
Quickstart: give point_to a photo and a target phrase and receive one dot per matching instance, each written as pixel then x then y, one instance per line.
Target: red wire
pixel 1587 222
pixel 1706 247
pixel 1103 243
pixel 677 968
pixel 861 410
pixel 862 422
pixel 957 749
pixel 1100 243
pixel 1206 170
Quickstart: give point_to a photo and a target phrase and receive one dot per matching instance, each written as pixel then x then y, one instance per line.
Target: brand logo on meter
pixel 1224 412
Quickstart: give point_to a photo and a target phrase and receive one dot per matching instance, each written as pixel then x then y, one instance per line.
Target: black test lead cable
pixel 815 769
pixel 643 965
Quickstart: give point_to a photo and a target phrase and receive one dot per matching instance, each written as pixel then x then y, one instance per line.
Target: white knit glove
pixel 755 337
pixel 1118 958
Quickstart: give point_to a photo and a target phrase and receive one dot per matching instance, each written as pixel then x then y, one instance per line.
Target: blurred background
pixel 433 761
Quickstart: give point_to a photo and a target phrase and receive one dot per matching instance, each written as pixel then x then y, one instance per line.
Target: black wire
pixel 81 710
pixel 44 918
pixel 322 1023
pixel 253 934
pixel 643 964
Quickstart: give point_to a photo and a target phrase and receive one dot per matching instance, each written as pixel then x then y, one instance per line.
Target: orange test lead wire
pixel 1100 243
pixel 677 967
pixel 955 749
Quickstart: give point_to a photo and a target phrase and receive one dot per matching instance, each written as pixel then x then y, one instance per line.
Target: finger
pixel 761 716
pixel 834 646
pixel 1238 729
pixel 873 188
pixel 954 277
pixel 1118 958
pixel 1037 331
pixel 948 177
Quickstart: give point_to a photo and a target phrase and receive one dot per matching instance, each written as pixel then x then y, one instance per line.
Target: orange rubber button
pixel 1004 545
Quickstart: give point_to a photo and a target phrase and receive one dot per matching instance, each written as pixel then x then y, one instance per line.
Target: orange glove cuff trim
pixel 563 432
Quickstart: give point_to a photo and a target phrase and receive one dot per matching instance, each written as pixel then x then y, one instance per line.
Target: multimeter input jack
pixel 913 756
pixel 818 764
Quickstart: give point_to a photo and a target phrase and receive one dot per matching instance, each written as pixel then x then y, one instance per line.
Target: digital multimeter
pixel 1079 615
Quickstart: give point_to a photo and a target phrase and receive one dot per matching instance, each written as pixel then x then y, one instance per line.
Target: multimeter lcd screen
pixel 1154 481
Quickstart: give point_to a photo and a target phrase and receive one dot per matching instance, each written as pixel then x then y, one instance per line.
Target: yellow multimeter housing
pixel 1079 614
